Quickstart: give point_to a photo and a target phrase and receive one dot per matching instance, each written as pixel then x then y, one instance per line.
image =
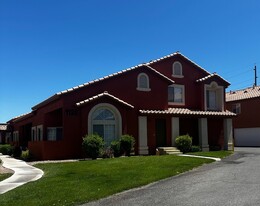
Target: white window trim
pixel 175 75
pixel 219 96
pixel 118 119
pixel 138 83
pixel 183 95
pixel 39 137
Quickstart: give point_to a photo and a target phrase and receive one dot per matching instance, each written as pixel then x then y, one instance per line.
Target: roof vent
pixel 245 91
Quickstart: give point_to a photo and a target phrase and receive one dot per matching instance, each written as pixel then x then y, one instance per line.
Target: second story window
pixel 177 70
pixel 236 108
pixel 143 82
pixel 214 97
pixel 176 95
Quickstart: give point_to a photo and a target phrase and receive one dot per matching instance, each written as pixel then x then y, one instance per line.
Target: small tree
pixel 127 143
pixel 184 143
pixel 93 145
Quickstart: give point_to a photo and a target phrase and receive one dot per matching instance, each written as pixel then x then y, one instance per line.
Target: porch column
pixel 142 135
pixel 175 123
pixel 228 134
pixel 203 134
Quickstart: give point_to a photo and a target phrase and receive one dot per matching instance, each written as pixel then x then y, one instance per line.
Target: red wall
pixel 250 113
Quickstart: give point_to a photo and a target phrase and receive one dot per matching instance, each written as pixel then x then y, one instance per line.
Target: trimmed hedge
pixel 127 143
pixel 93 145
pixel 184 143
pixel 6 149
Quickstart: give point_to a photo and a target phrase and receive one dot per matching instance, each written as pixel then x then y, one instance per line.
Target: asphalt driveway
pixel 233 181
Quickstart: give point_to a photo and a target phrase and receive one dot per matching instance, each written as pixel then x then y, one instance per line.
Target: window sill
pixel 178 76
pixel 143 89
pixel 177 103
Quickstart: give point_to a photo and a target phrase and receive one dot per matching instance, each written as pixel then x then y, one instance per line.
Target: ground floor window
pixel 105 120
pixel 54 133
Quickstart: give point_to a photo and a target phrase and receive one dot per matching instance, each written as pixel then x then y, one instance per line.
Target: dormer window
pixel 177 70
pixel 214 97
pixel 143 82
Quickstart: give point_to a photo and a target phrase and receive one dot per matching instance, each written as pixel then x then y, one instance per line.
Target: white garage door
pixel 247 137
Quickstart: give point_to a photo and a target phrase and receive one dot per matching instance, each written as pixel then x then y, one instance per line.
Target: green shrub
pixel 195 148
pixel 26 155
pixel 127 143
pixel 115 146
pixel 6 149
pixel 93 145
pixel 184 143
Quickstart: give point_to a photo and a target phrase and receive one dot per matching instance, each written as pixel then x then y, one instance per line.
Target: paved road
pixel 233 181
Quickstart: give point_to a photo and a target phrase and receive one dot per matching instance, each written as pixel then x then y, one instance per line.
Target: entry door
pixel 160 127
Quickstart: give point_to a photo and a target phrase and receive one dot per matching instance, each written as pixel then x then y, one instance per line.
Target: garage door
pixel 247 137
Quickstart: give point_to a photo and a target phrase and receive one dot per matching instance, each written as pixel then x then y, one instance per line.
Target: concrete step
pixel 168 151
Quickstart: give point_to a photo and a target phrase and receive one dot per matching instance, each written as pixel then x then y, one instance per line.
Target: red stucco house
pixel 246 104
pixel 155 102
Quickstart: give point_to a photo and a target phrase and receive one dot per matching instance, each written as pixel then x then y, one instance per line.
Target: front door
pixel 160 129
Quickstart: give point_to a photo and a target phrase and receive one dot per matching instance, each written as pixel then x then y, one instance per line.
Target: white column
pixel 142 135
pixel 228 134
pixel 203 134
pixel 175 123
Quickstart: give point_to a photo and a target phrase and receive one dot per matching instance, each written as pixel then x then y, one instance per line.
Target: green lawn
pixel 75 183
pixel 5 176
pixel 220 154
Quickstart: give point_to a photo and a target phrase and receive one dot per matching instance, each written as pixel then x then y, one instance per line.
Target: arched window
pixel 143 82
pixel 177 70
pixel 105 120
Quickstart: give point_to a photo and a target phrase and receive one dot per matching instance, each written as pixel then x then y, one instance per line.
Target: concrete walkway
pixel 23 173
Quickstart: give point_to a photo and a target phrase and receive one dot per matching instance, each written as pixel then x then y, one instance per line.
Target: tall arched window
pixel 105 120
pixel 143 82
pixel 177 70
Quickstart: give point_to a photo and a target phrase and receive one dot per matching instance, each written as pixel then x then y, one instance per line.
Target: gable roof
pixel 211 76
pixel 56 96
pixel 104 94
pixel 147 65
pixel 248 93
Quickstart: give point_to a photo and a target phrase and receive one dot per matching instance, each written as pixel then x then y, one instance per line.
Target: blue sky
pixel 47 46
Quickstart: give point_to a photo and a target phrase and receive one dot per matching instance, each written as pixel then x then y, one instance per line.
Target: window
pixel 214 97
pixel 16 136
pixel 177 70
pixel 105 120
pixel 143 82
pixel 54 133
pixel 39 135
pixel 236 108
pixel 176 95
pixel 33 133
pixel 211 99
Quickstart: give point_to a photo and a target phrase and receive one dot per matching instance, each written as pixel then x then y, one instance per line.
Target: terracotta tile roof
pixel 115 74
pixel 102 95
pixel 3 127
pixel 248 93
pixel 178 53
pixel 210 76
pixel 20 117
pixel 56 96
pixel 186 111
